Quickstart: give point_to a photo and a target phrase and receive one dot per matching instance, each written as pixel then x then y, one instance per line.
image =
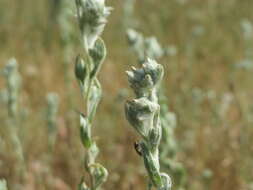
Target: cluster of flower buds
pixel 144 81
pixel 143 113
pixel 92 16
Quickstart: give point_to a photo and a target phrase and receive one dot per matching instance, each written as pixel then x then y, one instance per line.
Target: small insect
pixel 137 148
pixel 81 113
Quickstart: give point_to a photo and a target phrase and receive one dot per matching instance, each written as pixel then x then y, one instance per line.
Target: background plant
pixel 128 10
pixel 3 185
pixel 13 85
pixel 52 109
pixel 69 38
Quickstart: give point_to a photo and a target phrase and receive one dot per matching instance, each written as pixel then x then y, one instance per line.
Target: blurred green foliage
pixel 206 86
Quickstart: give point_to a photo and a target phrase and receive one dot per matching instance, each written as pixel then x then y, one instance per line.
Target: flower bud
pixel 82 185
pixel 80 69
pixel 99 173
pixel 97 53
pixel 145 79
pixel 166 182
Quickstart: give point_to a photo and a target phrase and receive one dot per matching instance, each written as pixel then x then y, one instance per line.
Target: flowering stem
pixel 91 15
pixel 143 113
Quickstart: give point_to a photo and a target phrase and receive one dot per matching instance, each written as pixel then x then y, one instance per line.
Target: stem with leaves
pixel 91 15
pixel 150 47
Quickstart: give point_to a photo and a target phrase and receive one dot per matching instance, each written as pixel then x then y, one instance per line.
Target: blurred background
pixel 207 84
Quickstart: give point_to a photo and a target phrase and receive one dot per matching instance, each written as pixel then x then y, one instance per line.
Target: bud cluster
pixel 144 81
pixel 92 16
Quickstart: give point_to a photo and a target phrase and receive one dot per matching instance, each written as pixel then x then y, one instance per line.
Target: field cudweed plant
pixel 150 47
pixel 92 17
pixel 143 113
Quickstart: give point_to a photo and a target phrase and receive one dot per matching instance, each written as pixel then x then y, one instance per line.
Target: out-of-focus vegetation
pixel 208 85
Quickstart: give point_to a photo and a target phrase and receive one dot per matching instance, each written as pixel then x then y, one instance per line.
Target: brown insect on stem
pixel 137 148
